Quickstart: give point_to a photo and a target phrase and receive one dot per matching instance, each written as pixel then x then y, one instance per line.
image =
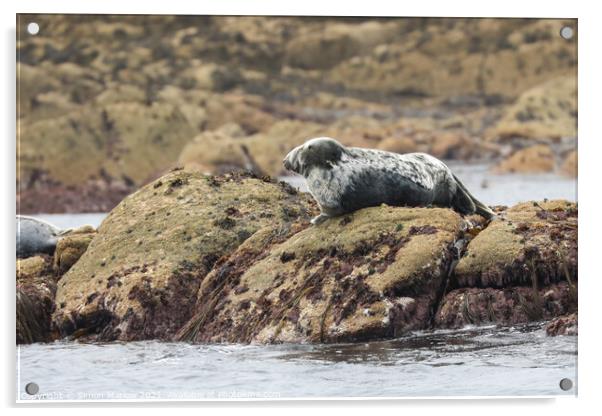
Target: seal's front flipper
pixel 319 219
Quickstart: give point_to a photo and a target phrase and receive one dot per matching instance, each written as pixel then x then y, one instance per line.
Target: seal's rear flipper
pixel 462 201
pixel 465 203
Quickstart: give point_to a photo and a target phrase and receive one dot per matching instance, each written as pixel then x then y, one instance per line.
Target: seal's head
pixel 319 152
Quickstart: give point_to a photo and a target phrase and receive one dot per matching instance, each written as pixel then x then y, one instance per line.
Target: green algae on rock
pixel 141 273
pixel 374 274
pixel 521 268
pixel 528 240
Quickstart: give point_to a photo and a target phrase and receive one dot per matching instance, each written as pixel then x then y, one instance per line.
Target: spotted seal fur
pixel 344 179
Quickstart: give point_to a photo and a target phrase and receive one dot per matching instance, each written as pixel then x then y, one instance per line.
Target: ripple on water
pixel 474 361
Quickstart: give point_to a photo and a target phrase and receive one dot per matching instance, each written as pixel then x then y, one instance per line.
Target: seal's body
pixel 35 237
pixel 345 179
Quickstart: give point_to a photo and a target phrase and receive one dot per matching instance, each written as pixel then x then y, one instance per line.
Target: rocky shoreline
pixel 233 258
pixel 110 103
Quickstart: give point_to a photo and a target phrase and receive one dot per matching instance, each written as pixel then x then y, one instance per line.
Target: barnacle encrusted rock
pixel 140 275
pixel 374 274
pixel 522 267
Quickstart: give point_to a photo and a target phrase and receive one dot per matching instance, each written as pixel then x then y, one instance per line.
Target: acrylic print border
pixel 391 398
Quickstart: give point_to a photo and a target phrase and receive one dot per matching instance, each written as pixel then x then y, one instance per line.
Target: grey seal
pixel 35 236
pixel 344 179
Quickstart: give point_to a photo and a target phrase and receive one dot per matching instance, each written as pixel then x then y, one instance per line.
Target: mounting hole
pixel 566 384
pixel 32 388
pixel 567 32
pixel 33 28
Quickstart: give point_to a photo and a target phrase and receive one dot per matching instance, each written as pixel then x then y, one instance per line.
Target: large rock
pixel 374 274
pixel 452 60
pixel 141 273
pixel 233 258
pixel 522 267
pixel 508 306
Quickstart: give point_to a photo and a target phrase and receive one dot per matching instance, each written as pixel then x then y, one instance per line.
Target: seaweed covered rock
pixel 529 242
pixel 140 275
pixel 37 279
pixel 373 274
pixel 522 267
pixel 36 287
pixel 508 306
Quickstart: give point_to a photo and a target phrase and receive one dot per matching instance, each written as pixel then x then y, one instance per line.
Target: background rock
pixel 463 89
pixel 547 111
pixel 534 159
pixel 569 166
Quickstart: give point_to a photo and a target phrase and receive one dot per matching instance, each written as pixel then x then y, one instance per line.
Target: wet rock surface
pixel 563 325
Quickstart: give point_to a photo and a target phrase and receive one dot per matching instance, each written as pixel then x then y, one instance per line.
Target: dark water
pixel 485 361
